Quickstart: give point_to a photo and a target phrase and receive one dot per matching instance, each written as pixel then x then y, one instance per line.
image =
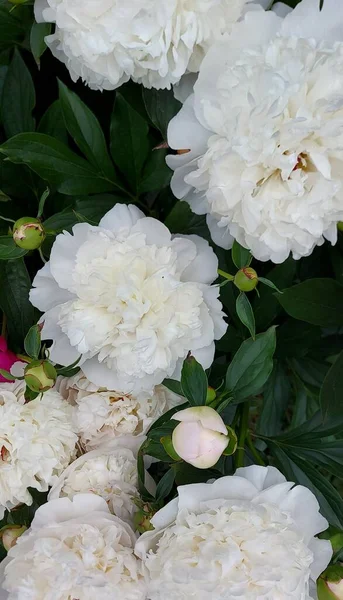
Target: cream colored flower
pixel 107 42
pixel 110 472
pixel 74 550
pixel 37 442
pixel 132 300
pixel 265 132
pixel 247 536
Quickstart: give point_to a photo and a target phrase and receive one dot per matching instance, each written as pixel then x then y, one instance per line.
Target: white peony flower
pixel 74 550
pixel 101 415
pixel 265 132
pixel 132 300
pixel 247 536
pixel 37 442
pixel 107 42
pixel 111 472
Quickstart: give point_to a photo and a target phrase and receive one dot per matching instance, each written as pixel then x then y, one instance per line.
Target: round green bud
pixel 246 279
pixel 141 521
pixel 340 225
pixel 40 375
pixel 28 233
pixel 211 395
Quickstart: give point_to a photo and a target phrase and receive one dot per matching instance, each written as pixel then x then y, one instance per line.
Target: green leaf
pixel 316 301
pixel 7 375
pixel 194 382
pixel 129 141
pixel 18 98
pixel 85 130
pixel 15 285
pixel 173 386
pixel 165 485
pixel 251 366
pixel 38 33
pixel 165 418
pixel 276 396
pixel 295 338
pixel 246 313
pixel 90 208
pixel 32 342
pixel 11 29
pixel 161 106
pixel 331 391
pixel 55 163
pixel 52 123
pixel 9 250
pixel 241 257
pixel 42 201
pixel 167 444
pixel 270 284
pixel 156 174
pixel 266 307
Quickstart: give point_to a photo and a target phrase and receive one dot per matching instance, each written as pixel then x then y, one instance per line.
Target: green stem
pixel 226 275
pixel 254 450
pixel 243 430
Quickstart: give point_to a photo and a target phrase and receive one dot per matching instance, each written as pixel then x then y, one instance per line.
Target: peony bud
pixel 246 279
pixel 7 358
pixel 10 534
pixel 340 225
pixel 201 436
pixel 28 233
pixel 330 583
pixel 336 588
pixel 40 375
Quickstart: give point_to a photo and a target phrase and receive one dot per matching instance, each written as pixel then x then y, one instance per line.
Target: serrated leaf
pixel 194 382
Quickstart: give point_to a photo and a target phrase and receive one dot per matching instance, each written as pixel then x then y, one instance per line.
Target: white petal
pixel 281 9
pixel 205 355
pixel 307 21
pixel 39 6
pixel 46 293
pixel 184 88
pixel 63 254
pixel 220 235
pixel 204 267
pixel 302 504
pixel 63 509
pixel 186 251
pixel 3 594
pixel 232 487
pixel 121 217
pixel 155 232
pixel 322 551
pixel 261 477
pixel 207 416
pixel 186 133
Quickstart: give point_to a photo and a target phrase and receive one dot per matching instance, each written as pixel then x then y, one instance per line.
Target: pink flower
pixel 7 358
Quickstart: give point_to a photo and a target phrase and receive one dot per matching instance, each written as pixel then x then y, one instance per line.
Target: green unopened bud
pixel 340 225
pixel 10 534
pixel 40 375
pixel 28 233
pixel 246 279
pixel 211 395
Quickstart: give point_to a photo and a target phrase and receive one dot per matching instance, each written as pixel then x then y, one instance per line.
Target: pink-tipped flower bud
pixel 201 436
pixel 10 534
pixel 336 588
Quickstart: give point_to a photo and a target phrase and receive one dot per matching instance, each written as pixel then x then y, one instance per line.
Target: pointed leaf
pixel 194 382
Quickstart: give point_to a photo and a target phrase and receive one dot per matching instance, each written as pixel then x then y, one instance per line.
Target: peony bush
pixel 171 300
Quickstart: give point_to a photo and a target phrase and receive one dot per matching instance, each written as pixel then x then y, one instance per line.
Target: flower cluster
pixel 94 547
pixel 37 442
pixel 130 299
pixel 264 130
pixel 155 42
pixel 250 535
pixel 101 415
